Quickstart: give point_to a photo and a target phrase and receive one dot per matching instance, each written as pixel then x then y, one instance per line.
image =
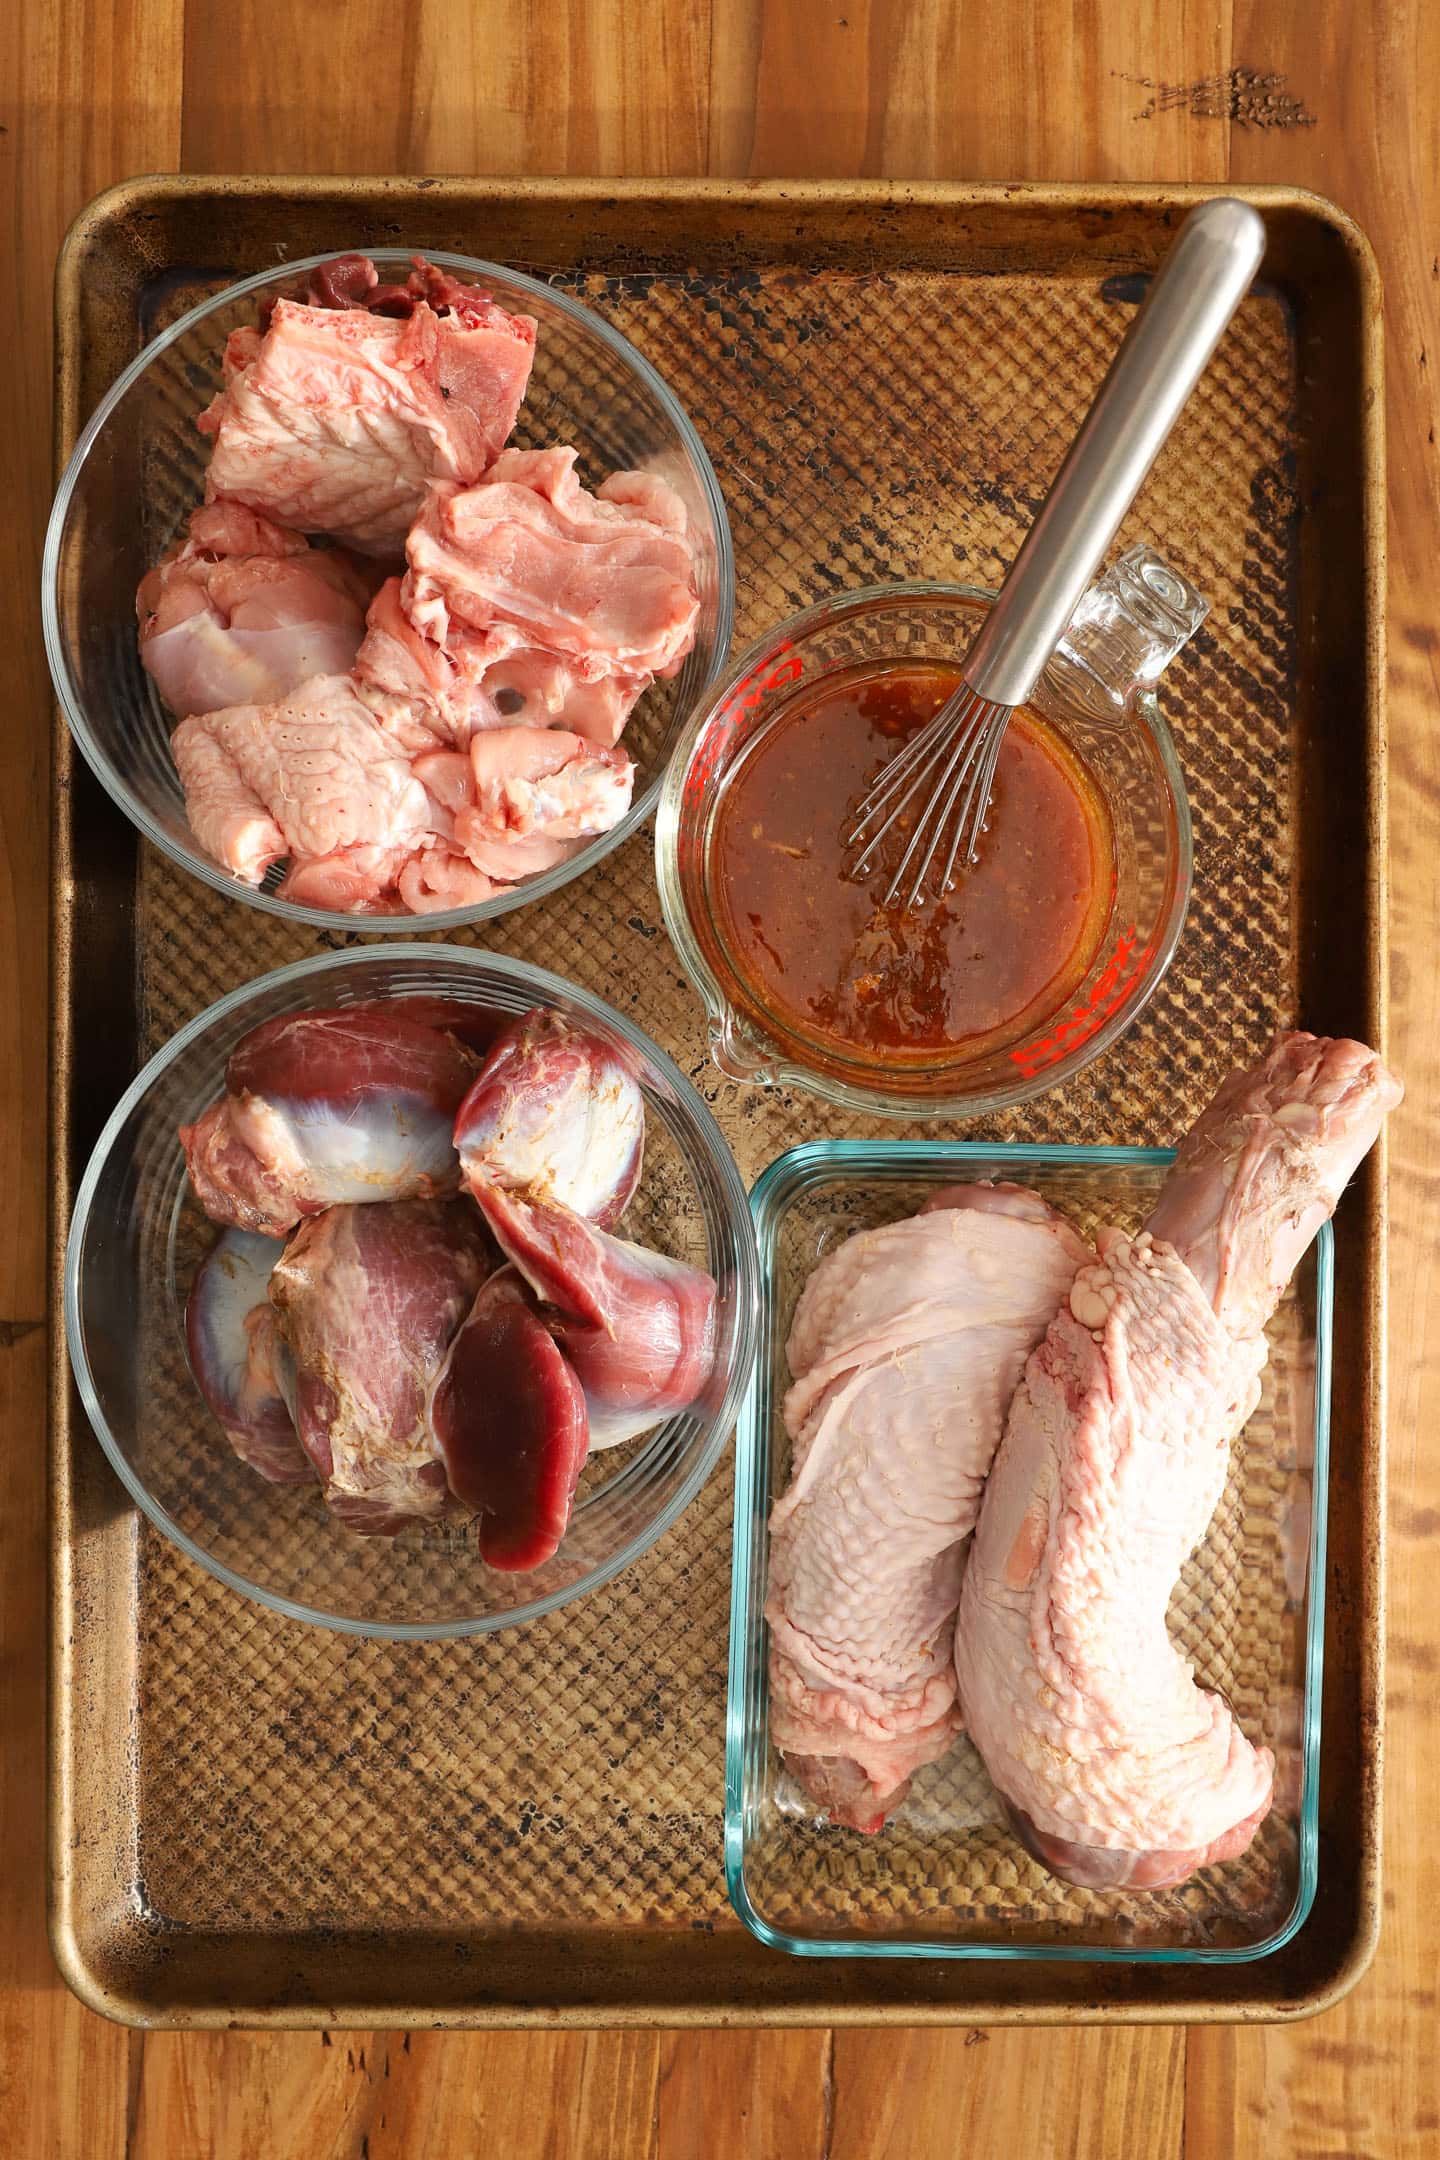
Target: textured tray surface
pixel 865 423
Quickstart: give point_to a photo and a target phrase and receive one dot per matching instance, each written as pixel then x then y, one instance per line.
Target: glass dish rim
pixel 768 1197
pixel 747 1294
pixel 118 788
pixel 782 1070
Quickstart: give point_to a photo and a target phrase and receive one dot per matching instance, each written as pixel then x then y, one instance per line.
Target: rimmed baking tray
pixel 255 1823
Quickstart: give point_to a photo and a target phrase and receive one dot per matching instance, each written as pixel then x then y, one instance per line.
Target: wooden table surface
pixel 1342 98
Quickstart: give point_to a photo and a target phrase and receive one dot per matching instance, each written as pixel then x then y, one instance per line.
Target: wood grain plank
pixel 90 94
pixel 1360 2081
pixel 598 86
pixel 1086 2095
pixel 756 2096
pixel 388 2096
pixel 964 92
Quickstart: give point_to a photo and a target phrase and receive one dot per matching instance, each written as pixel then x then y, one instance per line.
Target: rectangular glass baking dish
pixel 946 1878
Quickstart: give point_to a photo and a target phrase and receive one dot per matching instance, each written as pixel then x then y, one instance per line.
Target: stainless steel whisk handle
pixel 1178 325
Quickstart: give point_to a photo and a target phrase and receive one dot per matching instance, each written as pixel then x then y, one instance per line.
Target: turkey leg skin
pixel 1117 1768
pixel 906 1346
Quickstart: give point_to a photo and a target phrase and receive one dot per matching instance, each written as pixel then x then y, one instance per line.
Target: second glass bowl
pixel 1123 742
pixel 137 1236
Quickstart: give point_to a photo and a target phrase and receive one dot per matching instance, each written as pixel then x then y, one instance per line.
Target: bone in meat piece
pixel 324 1107
pixel 509 1419
pixel 638 1327
pixel 238 1358
pixel 557 1114
pixel 369 1300
pixel 905 1348
pixel 1117 1768
pixel 335 420
pixel 605 580
pixel 318 763
pixel 242 611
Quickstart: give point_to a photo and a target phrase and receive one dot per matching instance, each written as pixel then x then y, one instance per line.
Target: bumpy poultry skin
pixel 1117 1768
pixel 905 1348
pixel 319 1108
pixel 243 610
pixel 320 765
pixel 369 1300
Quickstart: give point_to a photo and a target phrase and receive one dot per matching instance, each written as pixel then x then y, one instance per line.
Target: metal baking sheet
pixel 254 1823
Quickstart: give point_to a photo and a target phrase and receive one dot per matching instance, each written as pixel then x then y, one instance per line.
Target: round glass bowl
pixel 137 1235
pixel 138 471
pixel 1130 756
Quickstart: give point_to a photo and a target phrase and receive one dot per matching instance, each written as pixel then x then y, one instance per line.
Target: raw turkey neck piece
pixel 1118 1769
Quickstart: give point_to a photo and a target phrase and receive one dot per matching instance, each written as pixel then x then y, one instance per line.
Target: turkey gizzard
pixel 325 1108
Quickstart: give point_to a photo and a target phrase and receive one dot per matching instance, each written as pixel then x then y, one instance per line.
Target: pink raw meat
pixel 243 610
pixel 539 784
pixel 509 1420
pixel 369 1300
pixel 323 1107
pixel 487 678
pixel 555 1114
pixel 605 580
pixel 239 1359
pixel 318 763
pixel 1118 1769
pixel 334 420
pixel 637 1326
pixel 905 1349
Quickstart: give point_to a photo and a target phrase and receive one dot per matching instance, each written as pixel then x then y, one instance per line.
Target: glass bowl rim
pixel 118 788
pixel 784 1071
pixel 746 1293
pixel 768 1197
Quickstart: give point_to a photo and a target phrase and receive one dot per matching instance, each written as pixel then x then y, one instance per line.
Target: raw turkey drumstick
pixel 1117 1768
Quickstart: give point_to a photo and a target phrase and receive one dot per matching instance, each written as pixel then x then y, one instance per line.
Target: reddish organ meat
pixel 328 1107
pixel 556 1114
pixel 238 1359
pixel 509 1419
pixel 1117 1767
pixel 243 611
pixel 637 1326
pixel 369 1300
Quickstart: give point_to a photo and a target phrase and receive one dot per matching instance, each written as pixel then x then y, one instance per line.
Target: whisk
pixel 1198 288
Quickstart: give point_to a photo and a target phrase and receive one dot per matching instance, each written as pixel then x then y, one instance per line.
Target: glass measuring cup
pixel 1096 696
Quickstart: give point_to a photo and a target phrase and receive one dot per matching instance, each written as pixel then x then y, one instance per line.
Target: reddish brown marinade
pixel 826 958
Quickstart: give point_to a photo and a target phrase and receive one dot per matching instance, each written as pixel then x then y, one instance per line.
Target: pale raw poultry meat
pixel 605 580
pixel 242 611
pixel 323 1107
pixel 1117 1768
pixel 317 768
pixel 905 1349
pixel 335 420
pixel 488 678
pixel 369 1300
